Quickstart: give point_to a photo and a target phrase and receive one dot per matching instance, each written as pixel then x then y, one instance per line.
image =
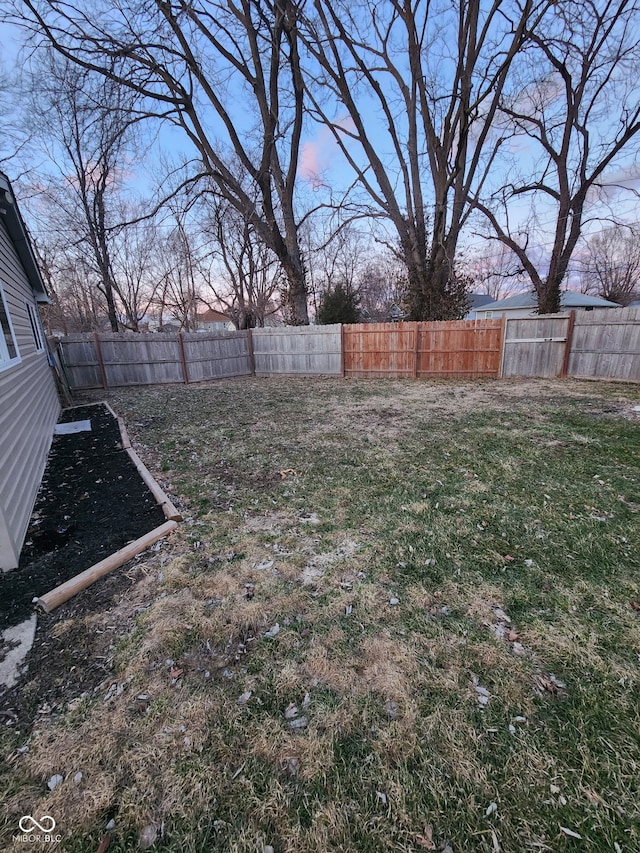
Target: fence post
pixel 343 363
pixel 183 359
pixel 503 339
pixel 416 351
pixel 103 372
pixel 567 346
pixel 252 358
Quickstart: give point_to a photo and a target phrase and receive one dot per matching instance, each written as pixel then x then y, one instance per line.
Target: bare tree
pixel 135 269
pixel 336 258
pixel 76 304
pixel 495 269
pixel 242 273
pixel 84 124
pixel 228 74
pixel 421 82
pixel 381 287
pixel 611 264
pixel 13 138
pixel 179 289
pixel 575 115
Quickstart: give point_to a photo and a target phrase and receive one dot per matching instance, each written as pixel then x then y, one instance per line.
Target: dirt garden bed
pixel 91 503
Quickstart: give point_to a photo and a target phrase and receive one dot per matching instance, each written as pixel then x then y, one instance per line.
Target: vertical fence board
pixel 217 356
pixel 380 350
pixel 141 359
pixel 459 348
pixel 449 348
pixel 80 360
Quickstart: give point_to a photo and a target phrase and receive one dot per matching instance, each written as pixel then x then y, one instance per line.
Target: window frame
pixel 7 361
pixel 36 326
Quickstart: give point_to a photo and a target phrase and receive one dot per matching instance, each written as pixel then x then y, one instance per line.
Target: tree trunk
pixel 111 306
pixel 434 292
pixel 549 296
pixel 297 289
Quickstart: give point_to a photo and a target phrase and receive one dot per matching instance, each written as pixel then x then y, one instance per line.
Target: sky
pixel 323 172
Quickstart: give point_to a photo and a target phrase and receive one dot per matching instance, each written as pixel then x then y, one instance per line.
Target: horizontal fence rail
pixel 602 344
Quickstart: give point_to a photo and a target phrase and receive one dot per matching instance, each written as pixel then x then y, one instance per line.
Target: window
pixel 8 348
pixel 32 311
pixel 488 315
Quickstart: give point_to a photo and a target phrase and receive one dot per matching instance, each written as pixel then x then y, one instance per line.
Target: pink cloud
pixel 316 155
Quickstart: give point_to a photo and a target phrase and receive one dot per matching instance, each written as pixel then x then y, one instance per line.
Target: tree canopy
pixel 423 123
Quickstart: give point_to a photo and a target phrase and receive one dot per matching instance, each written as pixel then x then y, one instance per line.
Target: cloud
pixel 317 155
pixel 616 182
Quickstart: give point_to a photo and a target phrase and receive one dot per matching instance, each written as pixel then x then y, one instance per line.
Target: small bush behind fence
pixel 602 344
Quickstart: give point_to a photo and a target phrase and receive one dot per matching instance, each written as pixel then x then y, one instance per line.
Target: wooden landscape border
pixel 57 596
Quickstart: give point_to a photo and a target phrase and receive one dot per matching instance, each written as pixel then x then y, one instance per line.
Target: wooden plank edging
pixel 161 497
pixel 55 597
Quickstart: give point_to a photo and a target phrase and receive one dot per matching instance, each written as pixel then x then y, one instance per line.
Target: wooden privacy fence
pixel 305 350
pixel 606 346
pixel 602 344
pixel 452 348
pixel 109 360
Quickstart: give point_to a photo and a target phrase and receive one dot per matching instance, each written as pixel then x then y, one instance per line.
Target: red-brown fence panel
pixel 464 348
pixel 380 350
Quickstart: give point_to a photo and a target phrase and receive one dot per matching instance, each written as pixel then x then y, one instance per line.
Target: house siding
pixel 29 409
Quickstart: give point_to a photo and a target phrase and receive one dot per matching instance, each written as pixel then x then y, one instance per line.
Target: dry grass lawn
pixel 399 616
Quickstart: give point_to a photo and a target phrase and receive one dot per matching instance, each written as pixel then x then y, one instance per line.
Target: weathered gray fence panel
pixel 305 350
pixel 78 355
pixel 606 345
pixel 141 359
pixel 535 346
pixel 216 356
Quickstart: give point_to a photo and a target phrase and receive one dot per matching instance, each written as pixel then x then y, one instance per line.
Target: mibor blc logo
pixel 41 830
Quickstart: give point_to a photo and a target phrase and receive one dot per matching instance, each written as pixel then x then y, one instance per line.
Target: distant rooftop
pixel 211 316
pixel 568 299
pixel 478 300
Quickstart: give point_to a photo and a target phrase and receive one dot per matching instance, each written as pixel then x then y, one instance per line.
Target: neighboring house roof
pixel 568 299
pixel 20 239
pixel 478 300
pixel 211 316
